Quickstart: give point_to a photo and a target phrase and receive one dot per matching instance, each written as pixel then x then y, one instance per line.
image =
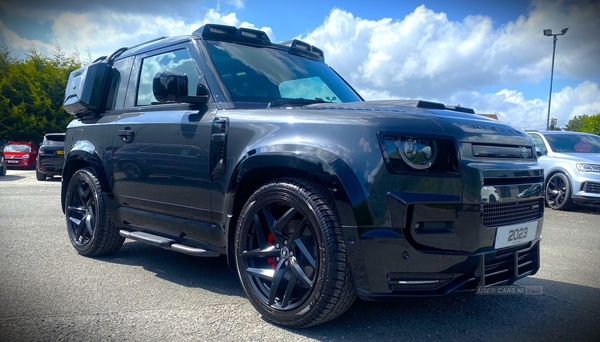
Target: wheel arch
pixel 259 167
pixel 554 171
pixel 83 154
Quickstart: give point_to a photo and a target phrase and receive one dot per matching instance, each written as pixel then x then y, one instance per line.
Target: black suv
pixel 224 143
pixel 51 156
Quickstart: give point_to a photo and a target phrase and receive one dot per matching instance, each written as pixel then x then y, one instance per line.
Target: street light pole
pixel 548 33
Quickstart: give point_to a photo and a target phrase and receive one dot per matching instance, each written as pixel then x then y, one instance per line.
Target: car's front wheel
pixel 290 254
pixel 90 229
pixel 558 192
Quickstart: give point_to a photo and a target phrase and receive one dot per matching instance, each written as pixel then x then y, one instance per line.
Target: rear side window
pixel 539 143
pixel 174 61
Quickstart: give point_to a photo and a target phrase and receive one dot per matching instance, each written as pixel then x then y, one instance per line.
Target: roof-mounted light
pixel 232 33
pixel 304 49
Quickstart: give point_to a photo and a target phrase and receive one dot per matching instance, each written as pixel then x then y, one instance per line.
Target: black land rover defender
pixel 224 143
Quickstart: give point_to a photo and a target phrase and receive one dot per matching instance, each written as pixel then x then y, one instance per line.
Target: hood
pixel 459 122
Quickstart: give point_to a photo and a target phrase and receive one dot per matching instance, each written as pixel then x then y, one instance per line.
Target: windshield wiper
pixel 296 102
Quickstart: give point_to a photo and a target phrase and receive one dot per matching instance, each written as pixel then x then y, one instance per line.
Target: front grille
pixel 592 187
pixel 500 268
pixel 497 151
pixel 502 214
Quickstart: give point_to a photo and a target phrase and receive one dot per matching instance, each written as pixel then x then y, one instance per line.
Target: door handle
pixel 126 134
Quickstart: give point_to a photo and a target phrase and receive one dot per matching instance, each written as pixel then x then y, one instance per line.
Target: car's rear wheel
pixel 290 254
pixel 558 192
pixel 90 229
pixel 40 176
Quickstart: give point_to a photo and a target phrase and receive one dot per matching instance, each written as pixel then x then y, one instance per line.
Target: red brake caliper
pixel 271 242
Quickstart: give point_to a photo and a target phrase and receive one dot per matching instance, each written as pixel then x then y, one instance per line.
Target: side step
pixel 167 243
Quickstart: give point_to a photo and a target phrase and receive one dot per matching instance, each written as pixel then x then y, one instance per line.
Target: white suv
pixel 571 162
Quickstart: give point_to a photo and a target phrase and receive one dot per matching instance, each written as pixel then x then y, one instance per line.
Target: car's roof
pixel 155 44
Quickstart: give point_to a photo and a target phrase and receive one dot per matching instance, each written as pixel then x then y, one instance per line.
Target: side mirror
pixel 538 152
pixel 173 87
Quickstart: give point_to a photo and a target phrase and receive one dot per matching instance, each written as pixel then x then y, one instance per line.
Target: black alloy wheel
pixel 290 254
pixel 90 229
pixel 558 192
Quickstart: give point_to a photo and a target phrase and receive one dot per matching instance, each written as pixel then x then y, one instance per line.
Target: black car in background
pixel 51 156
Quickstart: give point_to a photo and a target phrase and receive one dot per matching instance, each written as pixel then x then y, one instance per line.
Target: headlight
pixel 416 153
pixel 588 167
pixel 26 156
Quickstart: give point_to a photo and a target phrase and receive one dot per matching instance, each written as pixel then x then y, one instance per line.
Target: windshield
pixel 54 140
pixel 17 148
pixel 254 74
pixel 574 143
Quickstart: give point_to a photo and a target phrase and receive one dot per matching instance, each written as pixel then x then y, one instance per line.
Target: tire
pixel 290 254
pixel 558 192
pixel 40 176
pixel 89 227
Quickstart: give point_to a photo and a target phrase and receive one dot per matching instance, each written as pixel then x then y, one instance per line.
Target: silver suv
pixel 571 162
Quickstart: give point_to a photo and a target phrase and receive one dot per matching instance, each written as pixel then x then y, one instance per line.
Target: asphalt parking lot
pixel 50 293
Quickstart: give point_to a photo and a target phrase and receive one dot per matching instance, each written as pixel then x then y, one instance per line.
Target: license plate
pixel 515 234
pixel 60 152
pixel 12 161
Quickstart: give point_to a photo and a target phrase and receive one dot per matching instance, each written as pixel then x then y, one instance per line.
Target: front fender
pixel 82 154
pixel 348 194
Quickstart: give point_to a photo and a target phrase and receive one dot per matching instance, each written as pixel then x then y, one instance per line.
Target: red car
pixel 20 154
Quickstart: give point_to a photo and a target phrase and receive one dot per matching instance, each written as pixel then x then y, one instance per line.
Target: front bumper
pixel 586 187
pixel 441 244
pixel 501 267
pixel 19 163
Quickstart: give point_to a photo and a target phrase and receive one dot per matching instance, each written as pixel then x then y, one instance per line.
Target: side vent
pixel 218 144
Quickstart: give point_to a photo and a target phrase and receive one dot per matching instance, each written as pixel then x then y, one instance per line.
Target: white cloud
pixel 236 3
pixel 19 46
pixel 104 31
pixel 425 55
pixel 512 107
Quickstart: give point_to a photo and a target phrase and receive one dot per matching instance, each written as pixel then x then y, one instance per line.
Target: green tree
pixel 574 125
pixel 32 93
pixel 591 124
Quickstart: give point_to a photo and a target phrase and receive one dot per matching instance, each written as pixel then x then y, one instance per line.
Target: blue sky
pixel 488 55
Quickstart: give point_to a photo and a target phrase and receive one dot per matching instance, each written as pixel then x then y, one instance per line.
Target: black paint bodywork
pixel 407 233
